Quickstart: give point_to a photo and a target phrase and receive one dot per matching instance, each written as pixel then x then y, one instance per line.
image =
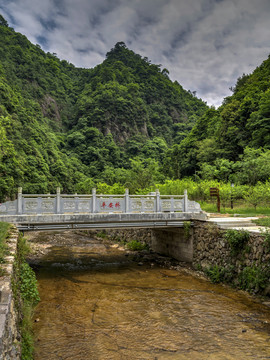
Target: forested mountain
pixel 232 142
pixel 123 122
pixel 67 126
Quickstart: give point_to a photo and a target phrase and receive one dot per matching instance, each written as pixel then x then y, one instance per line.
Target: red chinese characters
pixel 110 205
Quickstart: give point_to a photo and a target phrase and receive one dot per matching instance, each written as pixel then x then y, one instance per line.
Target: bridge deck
pixel 100 220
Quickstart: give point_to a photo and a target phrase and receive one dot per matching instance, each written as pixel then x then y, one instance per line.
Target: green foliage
pixel 256 195
pixel 62 126
pixel 232 142
pixel 253 279
pixel 265 221
pixel 266 235
pixel 237 239
pixel 215 273
pixel 27 340
pixel 24 288
pixel 187 226
pixel 135 245
pixel 4 228
pixel 126 123
pixel 28 285
pixel 102 234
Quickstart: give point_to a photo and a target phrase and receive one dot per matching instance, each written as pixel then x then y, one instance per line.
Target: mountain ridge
pixel 65 125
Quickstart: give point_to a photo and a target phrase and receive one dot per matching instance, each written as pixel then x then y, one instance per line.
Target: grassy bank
pixel 26 297
pixel 243 209
pixel 265 221
pixel 4 228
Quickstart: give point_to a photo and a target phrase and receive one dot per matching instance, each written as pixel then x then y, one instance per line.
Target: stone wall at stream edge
pixel 126 235
pixel 210 248
pixel 9 334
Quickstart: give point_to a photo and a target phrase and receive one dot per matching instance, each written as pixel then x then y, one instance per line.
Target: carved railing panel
pixel 8 208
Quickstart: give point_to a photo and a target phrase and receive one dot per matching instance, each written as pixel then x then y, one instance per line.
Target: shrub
pixel 215 273
pixel 136 245
pixel 4 227
pixel 266 235
pixel 28 284
pixel 237 240
pixel 253 279
pixel 187 226
pixel 102 234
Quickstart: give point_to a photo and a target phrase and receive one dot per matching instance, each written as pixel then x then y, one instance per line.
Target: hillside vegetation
pixel 123 124
pixel 71 127
pixel 231 143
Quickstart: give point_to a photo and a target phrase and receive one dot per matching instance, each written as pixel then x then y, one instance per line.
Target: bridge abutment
pixel 176 243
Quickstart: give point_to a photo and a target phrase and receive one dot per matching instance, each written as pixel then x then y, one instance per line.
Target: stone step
pixel 229 222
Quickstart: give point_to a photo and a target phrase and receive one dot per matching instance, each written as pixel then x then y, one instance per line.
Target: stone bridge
pixel 62 211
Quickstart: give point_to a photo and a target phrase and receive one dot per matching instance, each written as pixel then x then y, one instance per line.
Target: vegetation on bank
pixel 253 278
pixel 265 221
pixel 24 287
pixel 4 228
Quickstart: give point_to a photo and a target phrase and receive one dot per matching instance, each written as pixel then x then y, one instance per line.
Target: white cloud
pixel 205 44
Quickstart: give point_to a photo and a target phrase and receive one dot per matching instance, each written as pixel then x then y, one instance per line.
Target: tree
pixel 256 195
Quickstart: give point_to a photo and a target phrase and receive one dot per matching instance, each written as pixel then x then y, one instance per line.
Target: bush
pixel 253 279
pixel 187 226
pixel 28 284
pixel 4 227
pixel 136 245
pixel 215 273
pixel 266 235
pixel 237 240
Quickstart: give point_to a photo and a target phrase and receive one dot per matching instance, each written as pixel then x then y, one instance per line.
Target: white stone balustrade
pixel 97 203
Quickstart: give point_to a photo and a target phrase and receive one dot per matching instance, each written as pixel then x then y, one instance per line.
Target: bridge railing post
pixel 158 204
pixel 126 201
pixel 19 201
pixel 185 205
pixel 58 200
pixel 94 200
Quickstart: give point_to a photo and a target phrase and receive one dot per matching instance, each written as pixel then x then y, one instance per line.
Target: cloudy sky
pixel 205 44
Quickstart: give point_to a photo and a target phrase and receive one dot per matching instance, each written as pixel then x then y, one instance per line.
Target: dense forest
pixel 121 124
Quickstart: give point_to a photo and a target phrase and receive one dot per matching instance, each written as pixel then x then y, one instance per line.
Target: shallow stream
pixel 98 302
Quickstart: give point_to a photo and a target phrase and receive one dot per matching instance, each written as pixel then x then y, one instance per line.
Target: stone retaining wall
pixel 126 235
pixel 9 334
pixel 210 248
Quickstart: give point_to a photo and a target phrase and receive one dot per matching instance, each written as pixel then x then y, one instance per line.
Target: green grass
pixel 262 221
pixel 4 227
pixel 241 209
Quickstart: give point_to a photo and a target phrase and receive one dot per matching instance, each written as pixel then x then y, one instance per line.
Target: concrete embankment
pixel 9 316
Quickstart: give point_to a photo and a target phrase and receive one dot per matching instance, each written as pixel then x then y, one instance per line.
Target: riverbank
pixel 10 337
